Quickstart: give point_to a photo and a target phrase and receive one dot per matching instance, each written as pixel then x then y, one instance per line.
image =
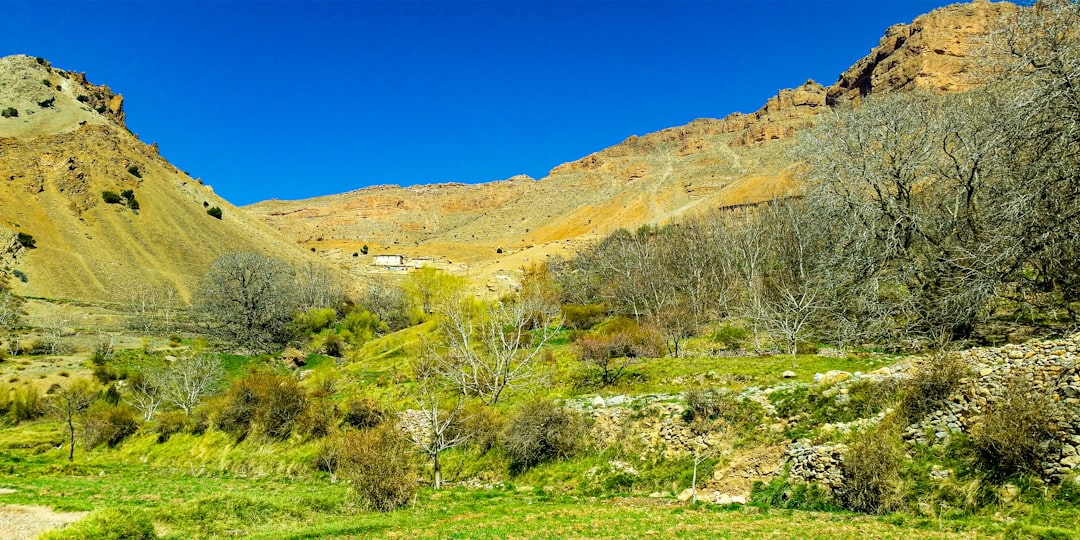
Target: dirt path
pixel 18 522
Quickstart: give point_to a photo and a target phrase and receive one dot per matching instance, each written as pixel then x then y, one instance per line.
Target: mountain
pixel 494 228
pixel 63 142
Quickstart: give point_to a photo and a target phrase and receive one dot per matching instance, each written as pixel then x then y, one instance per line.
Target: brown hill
pixel 649 179
pixel 64 146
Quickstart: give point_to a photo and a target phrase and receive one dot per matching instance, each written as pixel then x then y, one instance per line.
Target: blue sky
pixel 296 99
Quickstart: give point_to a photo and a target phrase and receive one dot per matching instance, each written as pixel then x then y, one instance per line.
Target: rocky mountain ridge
pixel 740 159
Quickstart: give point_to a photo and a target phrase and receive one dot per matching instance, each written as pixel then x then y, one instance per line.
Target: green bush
pixel 731 336
pixel 48 103
pixel 1016 433
pixel 133 170
pixel 541 431
pixel 108 524
pixel 26 404
pixel 82 99
pixel 46 83
pixel 26 240
pixel 10 112
pixel 110 197
pixel 215 212
pixel 583 316
pixel 313 321
pixel 378 463
pixel 133 204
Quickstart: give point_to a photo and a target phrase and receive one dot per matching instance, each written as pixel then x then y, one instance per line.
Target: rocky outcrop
pixel 940 51
pixel 1048 368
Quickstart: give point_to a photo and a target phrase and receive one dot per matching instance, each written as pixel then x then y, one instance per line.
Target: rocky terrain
pixel 63 147
pixel 496 227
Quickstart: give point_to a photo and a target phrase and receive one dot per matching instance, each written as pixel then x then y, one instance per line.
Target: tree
pixel 190 379
pixel 152 306
pixel 144 392
pixel 487 350
pixel 68 403
pixel 250 296
pixel 431 287
pixel 317 287
pixel 439 422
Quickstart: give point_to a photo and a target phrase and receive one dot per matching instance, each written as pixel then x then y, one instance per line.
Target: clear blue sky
pixel 297 99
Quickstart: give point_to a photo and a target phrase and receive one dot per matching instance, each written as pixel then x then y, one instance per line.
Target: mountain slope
pixel 496 227
pixel 59 154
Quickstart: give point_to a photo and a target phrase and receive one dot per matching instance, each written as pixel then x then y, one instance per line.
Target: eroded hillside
pixel 64 146
pixel 497 227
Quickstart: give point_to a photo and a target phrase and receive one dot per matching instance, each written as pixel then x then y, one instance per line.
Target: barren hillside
pixel 495 228
pixel 65 144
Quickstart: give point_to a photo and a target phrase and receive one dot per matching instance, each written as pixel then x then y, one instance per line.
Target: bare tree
pixel 487 350
pixel 152 306
pixel 440 421
pixel 68 403
pixel 144 391
pixel 317 287
pixel 189 380
pixel 250 296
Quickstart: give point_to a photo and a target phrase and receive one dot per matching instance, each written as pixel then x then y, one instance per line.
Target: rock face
pixel 939 51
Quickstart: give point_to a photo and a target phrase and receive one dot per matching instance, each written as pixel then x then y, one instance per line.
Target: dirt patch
pixel 745 467
pixel 18 522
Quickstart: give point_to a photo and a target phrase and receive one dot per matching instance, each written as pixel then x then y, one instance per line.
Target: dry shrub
pixel 616 345
pixel 26 404
pixel 108 424
pixel 170 423
pixel 929 387
pixel 541 431
pixel 871 470
pixel 483 426
pixel 582 316
pixel 1016 432
pixel 269 403
pixel 378 463
pixel 362 412
pixel 319 419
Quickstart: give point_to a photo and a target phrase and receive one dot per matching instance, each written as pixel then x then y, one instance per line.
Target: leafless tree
pixel 144 391
pixel 68 403
pixel 317 287
pixel 250 296
pixel 440 421
pixel 487 350
pixel 188 380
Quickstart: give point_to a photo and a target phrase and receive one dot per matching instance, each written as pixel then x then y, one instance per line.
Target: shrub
pixel 313 321
pixel 319 418
pixel 101 109
pixel 929 387
pixel 82 99
pixel 270 403
pixel 582 316
pixel 541 431
pixel 1016 432
pixel 26 240
pixel 108 424
pixel 127 193
pixel 46 83
pixel 731 336
pixel 26 404
pixel 482 425
pixel 10 112
pixel 19 274
pixel 215 212
pixel 871 471
pixel 378 463
pixel 362 413
pixel 133 170
pixel 133 204
pixel 616 345
pixel 364 249
pixel 170 423
pixel 47 103
pixel 108 524
pixel 110 197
